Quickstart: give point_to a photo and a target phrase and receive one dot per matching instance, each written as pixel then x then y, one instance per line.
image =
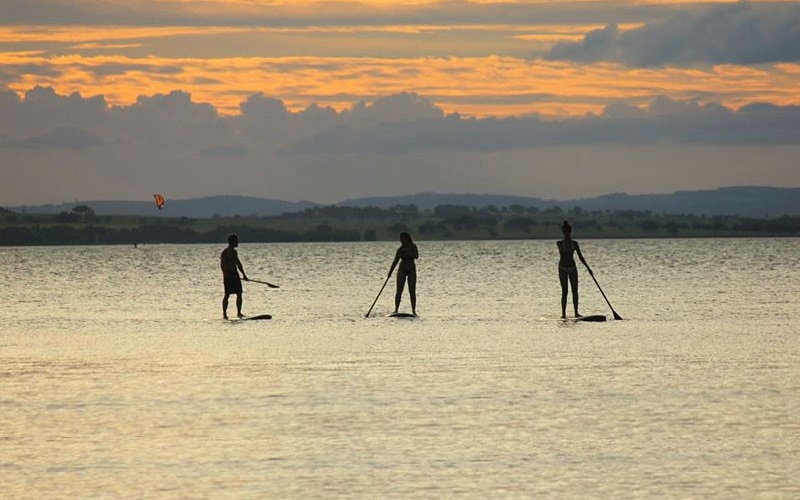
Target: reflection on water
pixel 120 379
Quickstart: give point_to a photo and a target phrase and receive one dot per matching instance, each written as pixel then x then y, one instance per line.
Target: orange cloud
pixel 479 86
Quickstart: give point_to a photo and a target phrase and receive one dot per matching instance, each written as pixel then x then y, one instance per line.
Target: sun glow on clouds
pixel 267 3
pixel 73 34
pixel 482 86
pixel 473 69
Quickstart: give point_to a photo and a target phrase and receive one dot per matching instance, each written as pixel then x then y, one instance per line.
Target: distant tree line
pixel 82 226
pixel 93 234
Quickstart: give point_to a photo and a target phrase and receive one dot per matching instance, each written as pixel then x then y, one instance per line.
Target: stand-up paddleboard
pixel 248 318
pixel 402 315
pixel 591 317
pixel 261 316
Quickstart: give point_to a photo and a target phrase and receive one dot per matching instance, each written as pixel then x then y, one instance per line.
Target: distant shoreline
pixel 744 201
pixel 82 226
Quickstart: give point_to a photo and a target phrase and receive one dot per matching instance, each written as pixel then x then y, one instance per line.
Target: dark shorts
pixel 233 284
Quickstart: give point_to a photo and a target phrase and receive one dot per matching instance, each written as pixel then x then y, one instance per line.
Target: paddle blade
pixel 265 283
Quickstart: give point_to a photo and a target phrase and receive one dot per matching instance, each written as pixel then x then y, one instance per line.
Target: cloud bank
pixel 324 100
pixel 741 33
pixel 57 147
pixel 394 124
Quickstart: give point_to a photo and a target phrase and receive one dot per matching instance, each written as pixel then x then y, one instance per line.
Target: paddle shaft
pixel 265 283
pixel 616 316
pixel 376 297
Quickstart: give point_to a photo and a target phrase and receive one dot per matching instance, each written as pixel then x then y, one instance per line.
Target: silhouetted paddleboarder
pixel 567 269
pixel 230 265
pixel 407 271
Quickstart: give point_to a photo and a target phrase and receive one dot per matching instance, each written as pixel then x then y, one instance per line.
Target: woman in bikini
pixel 407 271
pixel 567 269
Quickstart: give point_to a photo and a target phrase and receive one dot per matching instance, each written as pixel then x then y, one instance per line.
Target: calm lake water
pixel 120 379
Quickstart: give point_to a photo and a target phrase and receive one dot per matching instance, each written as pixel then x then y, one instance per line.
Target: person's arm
pixel 580 256
pixel 395 261
pixel 416 252
pixel 241 268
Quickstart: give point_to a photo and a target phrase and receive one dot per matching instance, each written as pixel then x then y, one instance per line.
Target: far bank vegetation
pixel 82 226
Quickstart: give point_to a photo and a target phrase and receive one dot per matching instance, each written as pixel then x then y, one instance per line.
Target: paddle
pixel 376 297
pixel 265 283
pixel 616 316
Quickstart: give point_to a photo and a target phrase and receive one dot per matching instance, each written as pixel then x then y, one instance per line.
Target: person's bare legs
pixel 562 277
pixel 573 281
pixel 412 291
pixel 239 305
pixel 225 307
pixel 398 295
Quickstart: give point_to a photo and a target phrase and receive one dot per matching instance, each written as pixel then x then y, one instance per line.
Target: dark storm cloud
pixel 268 119
pixel 62 137
pixel 225 152
pixel 741 33
pixel 41 108
pixel 393 124
pixel 664 121
pixel 54 146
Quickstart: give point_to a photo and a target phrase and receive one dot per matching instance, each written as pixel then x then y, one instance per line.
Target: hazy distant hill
pixel 195 207
pixel 743 201
pixel 425 201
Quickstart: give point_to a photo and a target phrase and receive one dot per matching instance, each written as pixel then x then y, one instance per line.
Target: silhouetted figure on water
pixel 567 269
pixel 230 265
pixel 407 271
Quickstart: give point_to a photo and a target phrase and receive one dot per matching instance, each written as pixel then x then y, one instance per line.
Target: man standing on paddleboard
pixel 230 265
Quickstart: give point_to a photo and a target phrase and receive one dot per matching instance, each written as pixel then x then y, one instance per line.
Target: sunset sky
pixel 113 99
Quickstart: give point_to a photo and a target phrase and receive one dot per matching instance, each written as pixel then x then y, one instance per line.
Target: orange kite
pixel 159 200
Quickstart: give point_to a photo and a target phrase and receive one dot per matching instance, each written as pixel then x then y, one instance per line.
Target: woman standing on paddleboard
pixel 567 269
pixel 407 271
